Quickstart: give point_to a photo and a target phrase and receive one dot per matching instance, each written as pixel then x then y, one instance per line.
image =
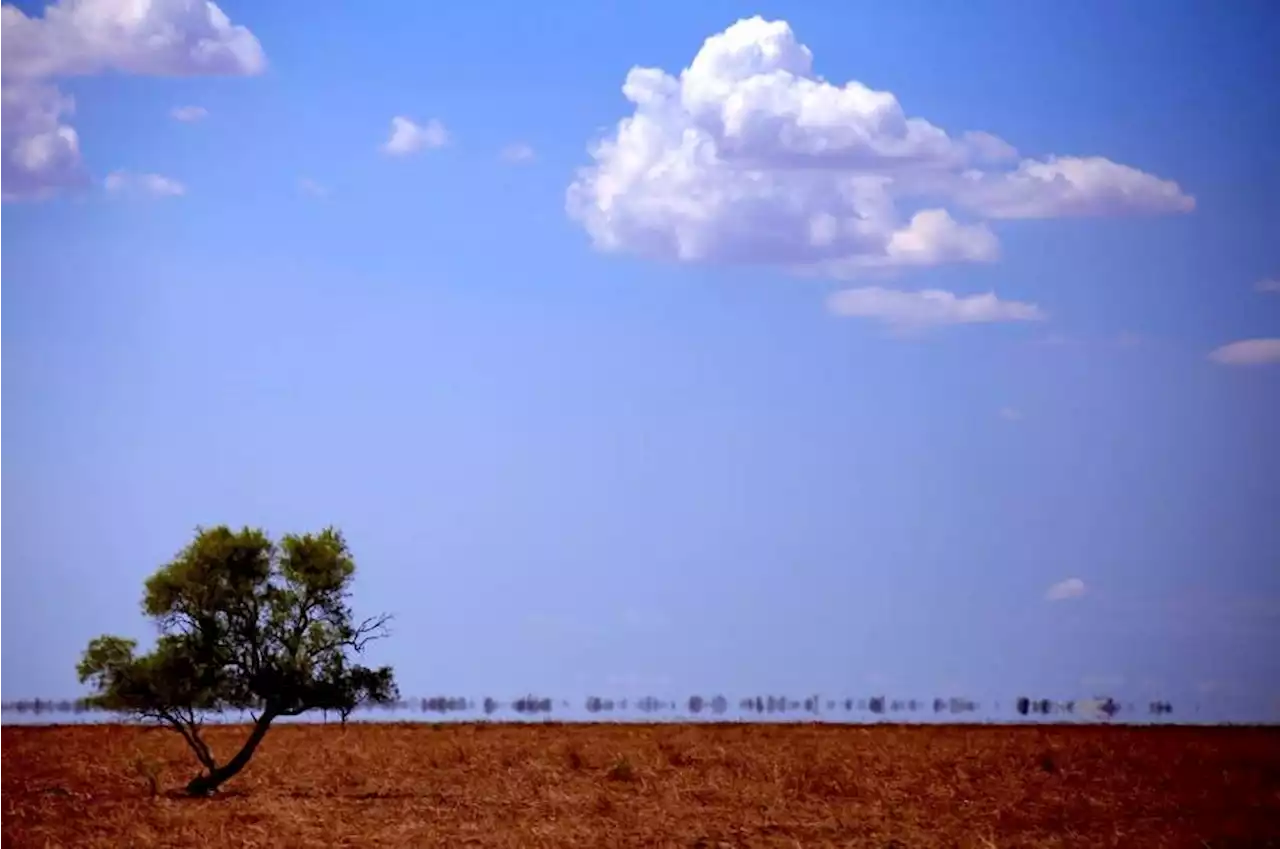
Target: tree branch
pixel 194 726
pixel 370 629
pixel 306 605
pixel 191 735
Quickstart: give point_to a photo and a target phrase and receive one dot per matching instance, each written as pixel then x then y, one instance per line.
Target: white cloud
pixel 1010 414
pixel 311 188
pixel 41 154
pixel 150 185
pixel 1069 186
pixel 911 311
pixel 517 153
pixel 749 157
pixel 189 114
pixel 407 137
pixel 1071 588
pixel 1269 286
pixel 1247 352
pixel 171 38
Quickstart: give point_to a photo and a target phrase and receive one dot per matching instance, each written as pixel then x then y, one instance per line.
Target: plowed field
pixel 418 785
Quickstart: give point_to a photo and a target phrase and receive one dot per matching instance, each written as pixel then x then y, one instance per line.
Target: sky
pixel 660 347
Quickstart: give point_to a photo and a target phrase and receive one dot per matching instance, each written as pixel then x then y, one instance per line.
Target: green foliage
pixel 245 624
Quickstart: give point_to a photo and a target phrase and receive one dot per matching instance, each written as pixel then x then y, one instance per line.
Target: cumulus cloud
pixel 1270 286
pixel 148 185
pixel 1247 352
pixel 407 137
pixel 517 153
pixel 1068 186
pixel 189 114
pixel 748 156
pixel 1071 588
pixel 312 188
pixel 157 38
pixel 908 311
pixel 41 152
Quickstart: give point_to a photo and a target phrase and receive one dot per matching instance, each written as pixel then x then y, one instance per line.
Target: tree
pixel 245 624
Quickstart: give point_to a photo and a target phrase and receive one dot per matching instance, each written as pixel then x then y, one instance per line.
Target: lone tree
pixel 245 624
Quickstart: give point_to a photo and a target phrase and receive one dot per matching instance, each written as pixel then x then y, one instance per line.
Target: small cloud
pixel 1011 414
pixel 407 137
pixel 1270 286
pixel 151 185
pixel 914 311
pixel 41 150
pixel 517 153
pixel 189 114
pixel 311 188
pixel 1247 352
pixel 1071 588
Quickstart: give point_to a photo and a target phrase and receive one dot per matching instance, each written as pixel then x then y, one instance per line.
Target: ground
pixel 536 785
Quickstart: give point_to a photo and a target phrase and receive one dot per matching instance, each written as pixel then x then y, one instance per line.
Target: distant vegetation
pixel 694 706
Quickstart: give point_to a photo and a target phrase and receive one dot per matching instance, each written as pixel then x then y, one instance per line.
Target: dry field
pixel 607 786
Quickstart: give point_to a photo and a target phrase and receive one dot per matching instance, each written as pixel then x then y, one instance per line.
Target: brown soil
pixel 650 785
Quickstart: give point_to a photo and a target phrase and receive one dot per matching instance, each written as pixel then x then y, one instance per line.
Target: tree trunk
pixel 206 783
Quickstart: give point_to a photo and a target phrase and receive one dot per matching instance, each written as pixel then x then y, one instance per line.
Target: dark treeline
pixel 712 706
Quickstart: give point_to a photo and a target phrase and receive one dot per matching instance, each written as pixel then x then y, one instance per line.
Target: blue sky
pixel 662 406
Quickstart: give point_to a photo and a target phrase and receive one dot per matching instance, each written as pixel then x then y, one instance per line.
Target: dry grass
pixel 651 785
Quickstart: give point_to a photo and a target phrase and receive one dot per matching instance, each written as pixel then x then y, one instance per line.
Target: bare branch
pixel 191 735
pixel 373 628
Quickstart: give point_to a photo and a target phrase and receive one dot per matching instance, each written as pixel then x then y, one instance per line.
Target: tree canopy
pixel 245 624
